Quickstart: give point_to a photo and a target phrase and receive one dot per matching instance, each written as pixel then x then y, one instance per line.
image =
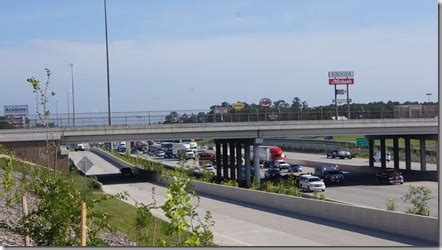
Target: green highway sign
pixel 361 142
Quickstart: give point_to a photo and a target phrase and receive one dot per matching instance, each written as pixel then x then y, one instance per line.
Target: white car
pixel 210 168
pixel 282 165
pixel 311 183
pixel 377 157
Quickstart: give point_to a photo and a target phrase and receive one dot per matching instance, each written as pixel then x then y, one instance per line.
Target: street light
pixel 67 92
pixel 56 110
pixel 107 67
pixel 428 94
pixel 73 95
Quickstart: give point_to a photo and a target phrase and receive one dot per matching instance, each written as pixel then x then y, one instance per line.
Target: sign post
pixel 265 103
pixel 16 115
pixel 341 78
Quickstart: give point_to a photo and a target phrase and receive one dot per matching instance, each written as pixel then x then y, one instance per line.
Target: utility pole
pixel 336 102
pixel 348 103
pixel 73 95
pixel 67 92
pixel 107 67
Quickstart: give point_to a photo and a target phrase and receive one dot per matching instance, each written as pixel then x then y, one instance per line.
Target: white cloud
pixel 389 63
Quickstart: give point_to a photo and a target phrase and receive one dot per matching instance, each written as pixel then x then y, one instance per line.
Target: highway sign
pixel 85 164
pixel 361 142
pixel 238 106
pixel 265 102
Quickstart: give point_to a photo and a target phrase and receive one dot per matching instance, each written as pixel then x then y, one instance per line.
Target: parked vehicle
pixel 295 168
pixel 390 176
pixel 272 173
pixel 320 171
pixel 269 155
pixel 333 176
pixel 377 157
pixel 311 183
pixel 79 147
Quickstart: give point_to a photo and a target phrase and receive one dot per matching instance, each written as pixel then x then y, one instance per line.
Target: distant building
pixel 416 111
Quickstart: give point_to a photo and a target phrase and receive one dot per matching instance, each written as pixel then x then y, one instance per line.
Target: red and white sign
pixel 338 81
pixel 341 77
pixel 220 110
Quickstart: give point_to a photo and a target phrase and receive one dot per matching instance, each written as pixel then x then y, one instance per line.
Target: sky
pixel 190 55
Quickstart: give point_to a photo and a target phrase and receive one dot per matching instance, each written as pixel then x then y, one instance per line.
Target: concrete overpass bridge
pixel 232 137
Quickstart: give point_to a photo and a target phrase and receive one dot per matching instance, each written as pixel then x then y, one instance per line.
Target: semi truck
pixel 268 155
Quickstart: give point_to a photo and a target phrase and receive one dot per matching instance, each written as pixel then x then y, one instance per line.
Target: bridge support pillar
pixel 128 147
pixel 396 153
pixel 370 152
pixel 247 163
pixel 238 160
pixel 218 159
pixel 407 154
pixel 232 160
pixel 225 159
pixel 257 178
pixel 383 161
pixel 423 155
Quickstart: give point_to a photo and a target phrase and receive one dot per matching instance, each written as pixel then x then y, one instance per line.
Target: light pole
pixel 56 110
pixel 428 94
pixel 73 95
pixel 107 67
pixel 67 92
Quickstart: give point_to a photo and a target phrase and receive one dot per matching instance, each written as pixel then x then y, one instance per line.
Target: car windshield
pixel 334 172
pixel 296 166
pixel 313 179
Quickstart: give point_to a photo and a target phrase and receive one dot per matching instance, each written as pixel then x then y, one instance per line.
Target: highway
pixel 246 225
pixel 359 189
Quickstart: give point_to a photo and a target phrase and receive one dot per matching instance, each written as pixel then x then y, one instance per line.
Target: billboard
pixel 265 102
pixel 220 110
pixel 341 77
pixel 15 110
pixel 238 106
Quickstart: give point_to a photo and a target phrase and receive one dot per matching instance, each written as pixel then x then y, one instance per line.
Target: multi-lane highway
pixel 247 225
pixel 359 189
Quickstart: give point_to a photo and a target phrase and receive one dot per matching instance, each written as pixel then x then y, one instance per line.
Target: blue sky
pixel 192 54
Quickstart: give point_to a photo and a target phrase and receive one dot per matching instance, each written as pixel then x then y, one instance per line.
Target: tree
pixel 296 103
pixel 171 118
pixel 281 104
pixel 418 198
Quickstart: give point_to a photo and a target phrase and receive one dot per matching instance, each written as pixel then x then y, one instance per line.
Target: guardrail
pixel 204 116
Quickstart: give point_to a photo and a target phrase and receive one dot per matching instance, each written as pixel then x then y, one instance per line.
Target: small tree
pixel 418 197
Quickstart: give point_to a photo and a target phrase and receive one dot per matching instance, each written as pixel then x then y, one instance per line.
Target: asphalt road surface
pixel 239 224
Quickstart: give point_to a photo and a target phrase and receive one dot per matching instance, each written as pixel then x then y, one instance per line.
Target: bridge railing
pixel 204 116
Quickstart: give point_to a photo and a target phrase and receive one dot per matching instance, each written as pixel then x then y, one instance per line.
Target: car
pixel 282 165
pixel 295 168
pixel 272 173
pixel 344 154
pixel 79 147
pixel 390 176
pixel 311 183
pixel 209 167
pixel 298 178
pixel 334 176
pixel 377 157
pixel 332 154
pixel 160 153
pixel 168 154
pixel 126 171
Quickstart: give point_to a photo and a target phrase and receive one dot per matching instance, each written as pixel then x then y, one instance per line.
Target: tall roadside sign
pixel 16 115
pixel 341 78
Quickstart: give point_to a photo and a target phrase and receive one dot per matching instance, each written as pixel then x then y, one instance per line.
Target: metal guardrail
pixel 204 116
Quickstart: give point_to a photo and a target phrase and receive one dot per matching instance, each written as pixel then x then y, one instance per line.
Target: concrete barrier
pixel 414 226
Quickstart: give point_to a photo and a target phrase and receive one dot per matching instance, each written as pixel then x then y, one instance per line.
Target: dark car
pixel 295 168
pixel 272 173
pixel 390 176
pixel 332 154
pixel 334 176
pixel 168 154
pixel 126 171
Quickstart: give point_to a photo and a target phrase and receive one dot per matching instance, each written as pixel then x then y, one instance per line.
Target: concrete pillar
pixel 232 160
pixel 238 160
pixel 247 163
pixel 256 163
pixel 128 147
pixel 370 152
pixel 383 162
pixel 218 159
pixel 396 153
pixel 225 165
pixel 423 155
pixel 407 154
